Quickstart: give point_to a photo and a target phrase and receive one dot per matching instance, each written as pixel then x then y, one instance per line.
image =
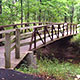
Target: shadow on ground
pixel 61 49
pixel 7 74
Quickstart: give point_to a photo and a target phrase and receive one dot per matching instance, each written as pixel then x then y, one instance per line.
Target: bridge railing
pixel 52 32
pixel 39 36
pixel 14 26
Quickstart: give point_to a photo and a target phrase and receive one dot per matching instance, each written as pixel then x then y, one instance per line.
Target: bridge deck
pixel 23 51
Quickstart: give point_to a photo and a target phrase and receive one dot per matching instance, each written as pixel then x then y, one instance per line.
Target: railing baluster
pixel 14 28
pixel 40 23
pixel 73 28
pixel 58 30
pixel 52 31
pixel 35 29
pixel 25 29
pixel 34 24
pixel 63 30
pixel 76 28
pixel 67 29
pixel 45 34
pixel 7 50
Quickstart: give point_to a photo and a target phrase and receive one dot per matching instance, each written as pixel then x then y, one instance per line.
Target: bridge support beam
pixel 31 59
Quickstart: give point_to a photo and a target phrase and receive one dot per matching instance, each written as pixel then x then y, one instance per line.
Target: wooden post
pixel 76 29
pixel 34 24
pixel 52 31
pixel 45 34
pixel 35 38
pixel 73 28
pixel 63 30
pixel 17 43
pixel 31 59
pixel 58 30
pixel 14 28
pixel 25 29
pixel 7 50
pixel 40 23
pixel 67 29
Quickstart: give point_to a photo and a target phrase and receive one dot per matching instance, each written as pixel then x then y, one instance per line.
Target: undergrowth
pixel 63 71
pixel 76 40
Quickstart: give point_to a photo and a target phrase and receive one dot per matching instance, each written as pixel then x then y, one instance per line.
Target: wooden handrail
pixel 3 26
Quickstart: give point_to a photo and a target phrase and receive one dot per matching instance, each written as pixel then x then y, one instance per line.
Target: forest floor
pixel 7 74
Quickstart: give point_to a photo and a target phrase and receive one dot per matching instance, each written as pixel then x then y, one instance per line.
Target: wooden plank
pixel 7 31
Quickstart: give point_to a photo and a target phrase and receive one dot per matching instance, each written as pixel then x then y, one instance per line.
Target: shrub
pixel 76 40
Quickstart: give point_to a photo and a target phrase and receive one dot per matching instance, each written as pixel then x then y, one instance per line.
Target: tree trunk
pixel 40 12
pixel 72 14
pixel 0 7
pixel 65 18
pixel 28 11
pixel 21 12
pixel 34 16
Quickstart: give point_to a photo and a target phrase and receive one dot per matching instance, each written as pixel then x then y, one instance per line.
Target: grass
pixel 76 39
pixel 63 71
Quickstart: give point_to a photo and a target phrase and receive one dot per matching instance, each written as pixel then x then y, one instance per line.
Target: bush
pixel 76 40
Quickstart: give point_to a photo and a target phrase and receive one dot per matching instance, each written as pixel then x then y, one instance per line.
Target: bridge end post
pixel 7 50
pixel 31 59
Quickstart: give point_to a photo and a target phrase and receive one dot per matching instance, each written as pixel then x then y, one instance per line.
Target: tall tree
pixel 40 11
pixel 72 13
pixel 0 6
pixel 65 18
pixel 21 12
pixel 28 11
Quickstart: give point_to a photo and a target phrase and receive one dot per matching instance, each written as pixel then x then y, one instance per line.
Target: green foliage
pixel 63 71
pixel 77 12
pixel 76 39
pixel 51 10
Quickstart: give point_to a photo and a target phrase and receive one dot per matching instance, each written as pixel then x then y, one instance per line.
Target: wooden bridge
pixel 23 38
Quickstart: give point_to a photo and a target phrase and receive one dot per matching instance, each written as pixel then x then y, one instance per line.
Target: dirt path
pixel 6 74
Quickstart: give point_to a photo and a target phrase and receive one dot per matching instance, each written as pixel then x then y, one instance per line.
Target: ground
pixel 6 74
